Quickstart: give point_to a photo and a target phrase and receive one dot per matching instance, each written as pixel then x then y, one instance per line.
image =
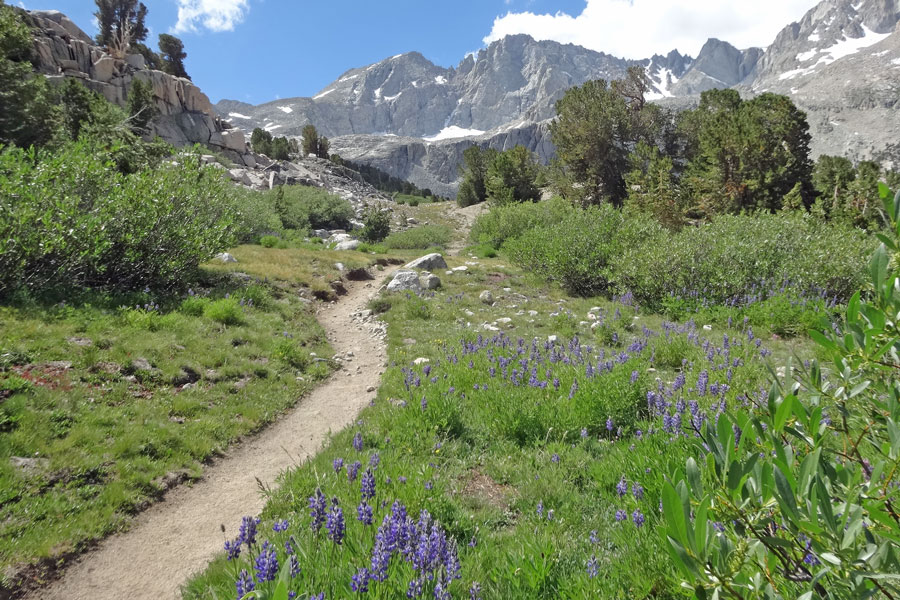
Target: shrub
pixel 107 229
pixel 376 225
pixel 803 485
pixel 737 259
pixel 226 311
pixel 269 241
pixel 579 250
pixel 194 306
pixel 509 221
pixel 380 305
pixel 289 352
pixel 418 308
pixel 419 238
pixel 318 208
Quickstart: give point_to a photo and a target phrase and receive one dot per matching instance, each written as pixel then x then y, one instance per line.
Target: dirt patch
pixel 487 491
pixel 497 277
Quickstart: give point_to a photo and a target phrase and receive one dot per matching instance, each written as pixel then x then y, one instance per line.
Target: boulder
pixel 348 245
pixel 430 281
pixel 103 69
pixel 136 60
pixel 486 297
pixel 340 237
pixel 429 262
pixel 225 257
pixel 405 281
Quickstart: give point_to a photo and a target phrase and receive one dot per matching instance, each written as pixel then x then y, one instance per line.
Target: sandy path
pixel 175 538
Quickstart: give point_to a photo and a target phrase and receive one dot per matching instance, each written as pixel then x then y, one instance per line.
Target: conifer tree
pixel 121 23
pixel 171 50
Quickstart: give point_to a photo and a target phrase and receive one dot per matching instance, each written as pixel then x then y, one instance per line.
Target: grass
pixel 105 401
pixel 531 503
pixel 419 238
pixel 310 266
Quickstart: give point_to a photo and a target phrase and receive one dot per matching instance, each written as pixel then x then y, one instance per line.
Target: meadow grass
pixel 541 460
pixel 105 401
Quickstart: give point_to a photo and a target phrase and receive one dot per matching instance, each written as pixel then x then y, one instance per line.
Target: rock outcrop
pixel 186 116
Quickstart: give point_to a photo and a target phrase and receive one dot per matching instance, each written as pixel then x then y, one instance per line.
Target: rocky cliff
pixel 413 119
pixel 186 115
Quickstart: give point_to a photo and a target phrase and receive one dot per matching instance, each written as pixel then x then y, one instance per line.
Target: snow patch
pixel 238 116
pixel 440 80
pixel 663 84
pixel 349 78
pixel 272 127
pixel 841 49
pixel 794 90
pixel 286 109
pixel 452 132
pixel 882 53
pixel 896 61
pixel 323 94
pixel 392 98
pixel 814 37
pixel 377 94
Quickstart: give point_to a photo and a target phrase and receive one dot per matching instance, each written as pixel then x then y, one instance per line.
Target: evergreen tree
pixel 652 186
pixel 261 141
pixel 121 23
pixel 77 104
pixel 27 113
pixel 591 134
pixel 310 143
pixel 322 147
pixel 473 171
pixel 140 106
pixel 511 177
pixel 171 50
pixel 831 177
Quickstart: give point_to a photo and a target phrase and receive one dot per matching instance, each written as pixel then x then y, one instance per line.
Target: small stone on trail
pixel 486 297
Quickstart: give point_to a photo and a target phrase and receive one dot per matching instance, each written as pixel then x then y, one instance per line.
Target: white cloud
pixel 639 28
pixel 214 15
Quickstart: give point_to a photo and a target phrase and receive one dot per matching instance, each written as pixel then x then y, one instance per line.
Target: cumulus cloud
pixel 638 28
pixel 214 15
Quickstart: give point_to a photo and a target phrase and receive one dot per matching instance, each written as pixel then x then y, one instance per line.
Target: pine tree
pixel 310 140
pixel 140 106
pixel 322 147
pixel 121 23
pixel 171 50
pixel 261 141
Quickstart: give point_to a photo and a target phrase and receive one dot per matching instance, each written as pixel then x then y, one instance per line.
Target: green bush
pixel 376 225
pixel 306 207
pixel 269 241
pixel 289 352
pixel 226 311
pixel 418 308
pixel 802 484
pixel 419 238
pixel 739 258
pixel 579 251
pixel 194 306
pixel 71 219
pixel 509 221
pixel 380 304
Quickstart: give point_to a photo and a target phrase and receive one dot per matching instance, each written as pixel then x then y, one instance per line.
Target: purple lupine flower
pixel 593 537
pixel 266 564
pixel 702 381
pixel 555 458
pixel 359 582
pixel 609 424
pixel 592 567
pixel 637 490
pixel 415 588
pixel 335 523
pixel 718 526
pixel 374 460
pixel 280 526
pixel 364 513
pixel 295 566
pixel 338 464
pixel 244 584
pixel 424 404
pixel 232 549
pixel 551 514
pixel 540 509
pixel 247 532
pixel 638 517
pixel 634 376
pixel 584 433
pixel 358 442
pixel 367 485
pixel 353 470
pixel 429 485
pixel 621 515
pixel 475 591
pixel 622 487
pixel 317 505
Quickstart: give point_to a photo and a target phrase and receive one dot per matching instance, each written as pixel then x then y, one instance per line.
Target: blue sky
pixel 285 48
pixel 261 50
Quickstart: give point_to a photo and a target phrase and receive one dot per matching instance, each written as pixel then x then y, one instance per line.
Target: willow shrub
pixel 798 497
pixel 71 219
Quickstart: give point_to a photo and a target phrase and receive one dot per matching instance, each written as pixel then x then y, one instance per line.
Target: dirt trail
pixel 465 218
pixel 178 537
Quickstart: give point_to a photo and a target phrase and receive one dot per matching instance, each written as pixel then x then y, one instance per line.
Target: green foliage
pixel 120 22
pixel 380 304
pixel 507 222
pixel 580 250
pixel 314 208
pixel 279 148
pixel 227 311
pixel 271 241
pixel 194 306
pixel 28 115
pixel 473 175
pixel 502 177
pixel 140 105
pixel 172 55
pixel 292 354
pixel 376 225
pixel 418 308
pixel 746 155
pixel 312 143
pixel 379 179
pixel 653 186
pixel 803 486
pixel 419 238
pixel 71 219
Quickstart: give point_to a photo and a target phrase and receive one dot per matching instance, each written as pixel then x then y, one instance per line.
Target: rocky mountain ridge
pixel 413 118
pixel 186 116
